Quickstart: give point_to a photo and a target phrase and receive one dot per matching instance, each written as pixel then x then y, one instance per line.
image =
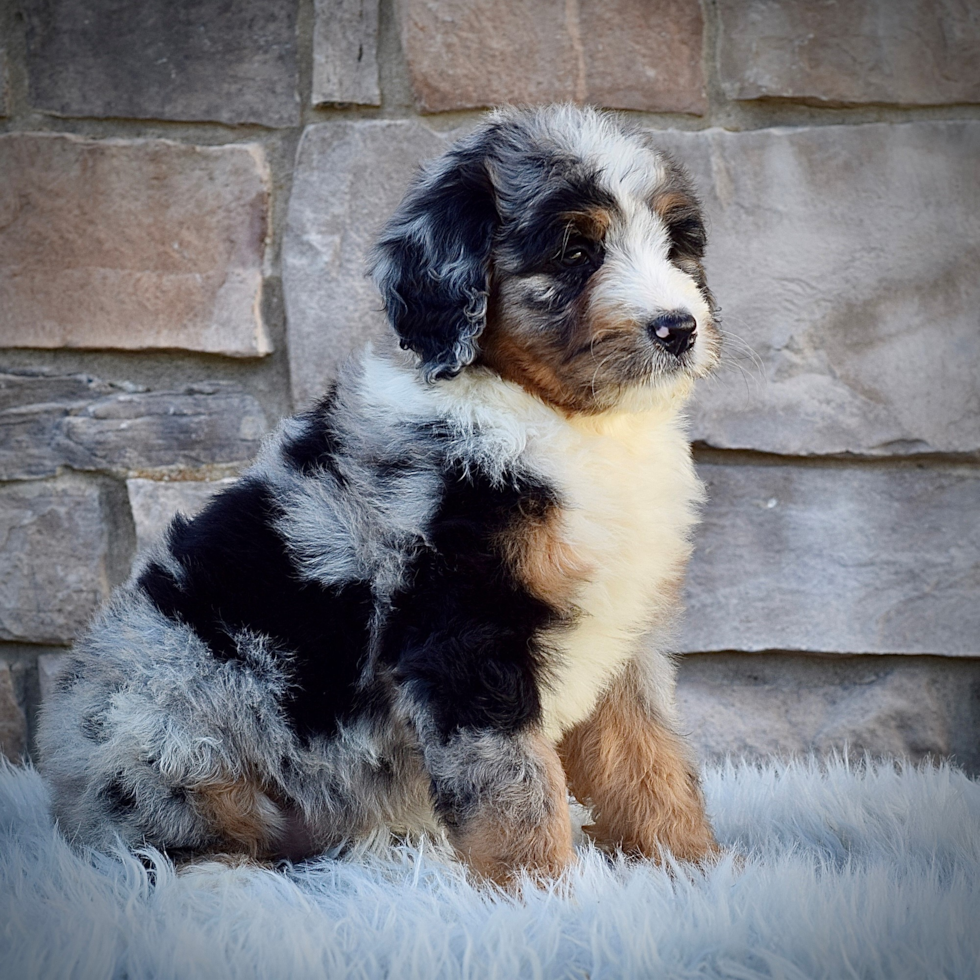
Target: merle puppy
pixel 420 610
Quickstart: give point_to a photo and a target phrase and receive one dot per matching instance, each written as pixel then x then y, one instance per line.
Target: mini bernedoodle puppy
pixel 420 610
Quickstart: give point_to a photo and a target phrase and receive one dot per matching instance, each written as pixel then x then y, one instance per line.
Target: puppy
pixel 420 610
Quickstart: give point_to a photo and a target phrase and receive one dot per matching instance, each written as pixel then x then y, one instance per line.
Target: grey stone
pixel 759 706
pixel 3 82
pixel 847 258
pixel 132 244
pixel 49 421
pixel 349 177
pixel 836 559
pixel 55 569
pixel 155 502
pixel 165 59
pixel 907 52
pixel 345 52
pixel 49 666
pixel 13 721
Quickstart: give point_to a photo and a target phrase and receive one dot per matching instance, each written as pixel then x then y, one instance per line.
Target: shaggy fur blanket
pixel 842 871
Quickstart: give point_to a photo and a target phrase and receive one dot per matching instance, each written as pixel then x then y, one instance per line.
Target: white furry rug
pixel 849 871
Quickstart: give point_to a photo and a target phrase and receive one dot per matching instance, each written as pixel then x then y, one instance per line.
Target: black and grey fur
pixel 385 625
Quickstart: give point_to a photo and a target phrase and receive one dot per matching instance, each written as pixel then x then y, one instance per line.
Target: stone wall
pixel 187 191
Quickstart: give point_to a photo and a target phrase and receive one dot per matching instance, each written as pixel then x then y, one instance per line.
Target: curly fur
pixel 439 573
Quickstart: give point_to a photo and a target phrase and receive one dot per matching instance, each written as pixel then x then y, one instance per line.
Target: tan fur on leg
pixel 634 773
pixel 533 834
pixel 242 815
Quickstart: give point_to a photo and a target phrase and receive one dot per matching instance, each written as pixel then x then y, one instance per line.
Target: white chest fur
pixel 630 496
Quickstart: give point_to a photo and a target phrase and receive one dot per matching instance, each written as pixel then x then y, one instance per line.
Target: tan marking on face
pixel 593 223
pixel 508 836
pixel 536 549
pixel 580 377
pixel 242 814
pixel 668 203
pixel 635 774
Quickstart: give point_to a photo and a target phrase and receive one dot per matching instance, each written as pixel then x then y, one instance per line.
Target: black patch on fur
pixel 237 576
pixel 463 636
pixel 536 240
pixel 318 446
pixel 119 799
pixel 93 727
pixel 432 262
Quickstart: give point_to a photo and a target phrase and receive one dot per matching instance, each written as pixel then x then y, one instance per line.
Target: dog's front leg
pixel 502 799
pixel 635 773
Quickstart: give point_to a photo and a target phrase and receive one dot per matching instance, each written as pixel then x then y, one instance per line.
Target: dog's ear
pixel 432 261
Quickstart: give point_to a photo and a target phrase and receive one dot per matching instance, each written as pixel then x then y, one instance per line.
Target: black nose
pixel 675 331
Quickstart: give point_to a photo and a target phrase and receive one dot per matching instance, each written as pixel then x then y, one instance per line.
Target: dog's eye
pixel 577 254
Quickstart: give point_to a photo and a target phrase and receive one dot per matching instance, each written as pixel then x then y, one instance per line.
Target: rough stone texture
pixel 165 59
pixel 13 721
pixel 759 706
pixel 48 667
pixel 345 52
pixel 848 259
pixel 349 177
pixel 837 559
pixel 154 504
pixel 48 421
pixel 908 52
pixel 54 572
pixel 3 82
pixel 131 244
pixel 463 54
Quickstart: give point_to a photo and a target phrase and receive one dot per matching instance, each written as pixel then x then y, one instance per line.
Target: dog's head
pixel 559 248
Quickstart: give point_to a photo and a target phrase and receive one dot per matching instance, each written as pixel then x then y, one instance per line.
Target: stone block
pixel 463 54
pixel 165 59
pixel 49 666
pixel 50 421
pixel 861 312
pixel 3 82
pixel 905 52
pixel 13 721
pixel 836 559
pixel 132 244
pixel 847 259
pixel 55 568
pixel 756 707
pixel 345 52
pixel 155 502
pixel 349 177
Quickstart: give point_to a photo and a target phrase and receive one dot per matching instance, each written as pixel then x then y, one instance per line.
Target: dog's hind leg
pixel 635 773
pixel 504 802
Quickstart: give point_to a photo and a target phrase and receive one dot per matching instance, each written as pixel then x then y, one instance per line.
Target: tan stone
pixel 133 244
pixel 908 52
pixel 758 706
pixel 640 55
pixel 345 52
pixel 13 722
pixel 621 53
pixel 155 502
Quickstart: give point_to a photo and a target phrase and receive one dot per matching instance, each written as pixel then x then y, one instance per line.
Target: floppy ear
pixel 432 262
